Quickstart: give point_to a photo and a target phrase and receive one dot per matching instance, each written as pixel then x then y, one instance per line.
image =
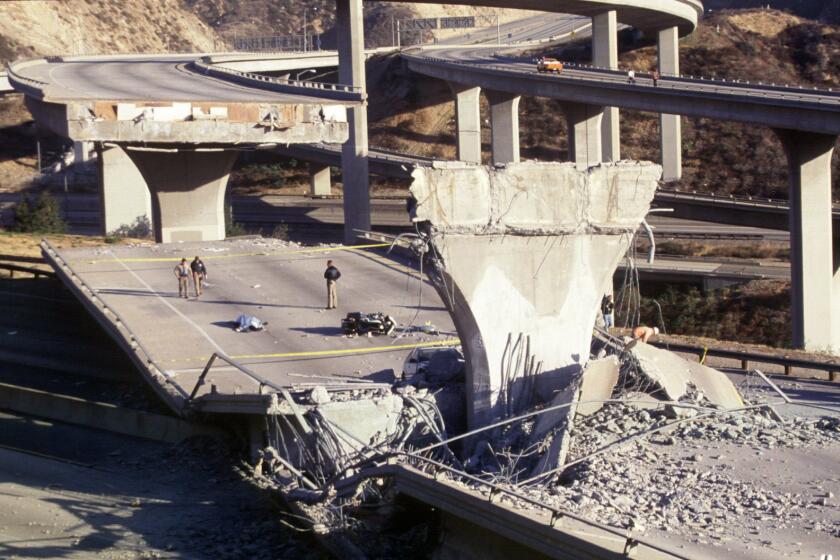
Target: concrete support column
pixel 188 192
pixel 319 180
pixel 668 49
pixel 467 122
pixel 583 123
pixel 815 283
pixel 521 289
pixel 354 152
pixel 504 122
pixel 81 151
pixel 123 195
pixel 605 55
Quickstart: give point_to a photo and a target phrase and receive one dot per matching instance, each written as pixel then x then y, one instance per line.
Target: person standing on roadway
pixel 182 273
pixel 199 273
pixel 332 275
pixel 655 76
pixel 631 76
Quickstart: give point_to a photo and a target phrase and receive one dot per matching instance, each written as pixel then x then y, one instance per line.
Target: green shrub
pixel 232 229
pixel 39 216
pixel 140 228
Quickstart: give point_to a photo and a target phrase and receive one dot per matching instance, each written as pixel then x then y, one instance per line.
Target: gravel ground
pixel 741 485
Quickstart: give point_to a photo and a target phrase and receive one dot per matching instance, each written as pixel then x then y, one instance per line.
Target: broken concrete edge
pixel 174 399
pixel 522 197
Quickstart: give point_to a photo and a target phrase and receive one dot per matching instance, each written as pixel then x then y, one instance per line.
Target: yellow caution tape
pixel 705 351
pixel 235 255
pixel 447 342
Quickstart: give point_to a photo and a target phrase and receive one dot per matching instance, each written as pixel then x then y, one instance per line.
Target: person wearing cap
pixel 644 333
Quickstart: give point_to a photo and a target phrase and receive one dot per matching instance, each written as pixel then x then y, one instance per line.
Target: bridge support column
pixel 467 122
pixel 188 192
pixel 605 55
pixel 668 48
pixel 526 255
pixel 123 195
pixel 504 121
pixel 583 123
pixel 815 281
pixel 354 153
pixel 319 180
pixel 81 151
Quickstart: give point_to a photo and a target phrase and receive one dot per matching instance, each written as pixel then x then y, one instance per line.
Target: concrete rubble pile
pixel 330 434
pixel 637 375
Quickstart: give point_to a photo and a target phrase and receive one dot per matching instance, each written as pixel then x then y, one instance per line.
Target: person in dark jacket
pixel 199 274
pixel 607 308
pixel 332 275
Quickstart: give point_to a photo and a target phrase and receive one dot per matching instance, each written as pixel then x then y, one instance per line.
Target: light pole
pixel 304 29
pixel 299 74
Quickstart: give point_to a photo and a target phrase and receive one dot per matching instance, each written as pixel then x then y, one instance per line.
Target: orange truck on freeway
pixel 549 65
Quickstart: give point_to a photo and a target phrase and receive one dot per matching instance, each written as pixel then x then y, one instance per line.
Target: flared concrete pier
pixel 525 255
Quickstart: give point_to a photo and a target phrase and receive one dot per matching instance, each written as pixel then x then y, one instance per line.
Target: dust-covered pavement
pixel 79 493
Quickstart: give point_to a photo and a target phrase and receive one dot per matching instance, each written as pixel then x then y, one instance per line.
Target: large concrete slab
pixel 273 280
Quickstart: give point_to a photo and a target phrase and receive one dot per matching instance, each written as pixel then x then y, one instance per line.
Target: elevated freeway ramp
pixel 132 291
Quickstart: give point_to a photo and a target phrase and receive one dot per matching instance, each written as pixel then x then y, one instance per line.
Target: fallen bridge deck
pixel 131 290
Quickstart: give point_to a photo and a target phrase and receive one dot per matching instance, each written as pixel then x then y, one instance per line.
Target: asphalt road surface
pixel 143 79
pixel 276 282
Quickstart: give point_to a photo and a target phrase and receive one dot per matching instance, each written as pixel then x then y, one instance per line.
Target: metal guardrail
pixel 610 76
pixel 735 200
pixel 115 320
pixel 832 368
pixel 300 87
pixel 20 82
pixel 36 272
pixel 263 382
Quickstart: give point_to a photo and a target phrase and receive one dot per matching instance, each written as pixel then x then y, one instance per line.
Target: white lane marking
pixel 172 307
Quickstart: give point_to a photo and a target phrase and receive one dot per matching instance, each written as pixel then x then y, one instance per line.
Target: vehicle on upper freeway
pixel 547 64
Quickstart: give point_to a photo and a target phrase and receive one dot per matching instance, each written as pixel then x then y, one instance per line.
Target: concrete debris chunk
pixel 674 374
pixel 319 395
pixel 361 423
pixel 666 369
pixel 597 384
pixel 714 384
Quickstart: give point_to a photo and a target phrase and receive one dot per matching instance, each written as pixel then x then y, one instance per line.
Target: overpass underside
pixel 167 163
